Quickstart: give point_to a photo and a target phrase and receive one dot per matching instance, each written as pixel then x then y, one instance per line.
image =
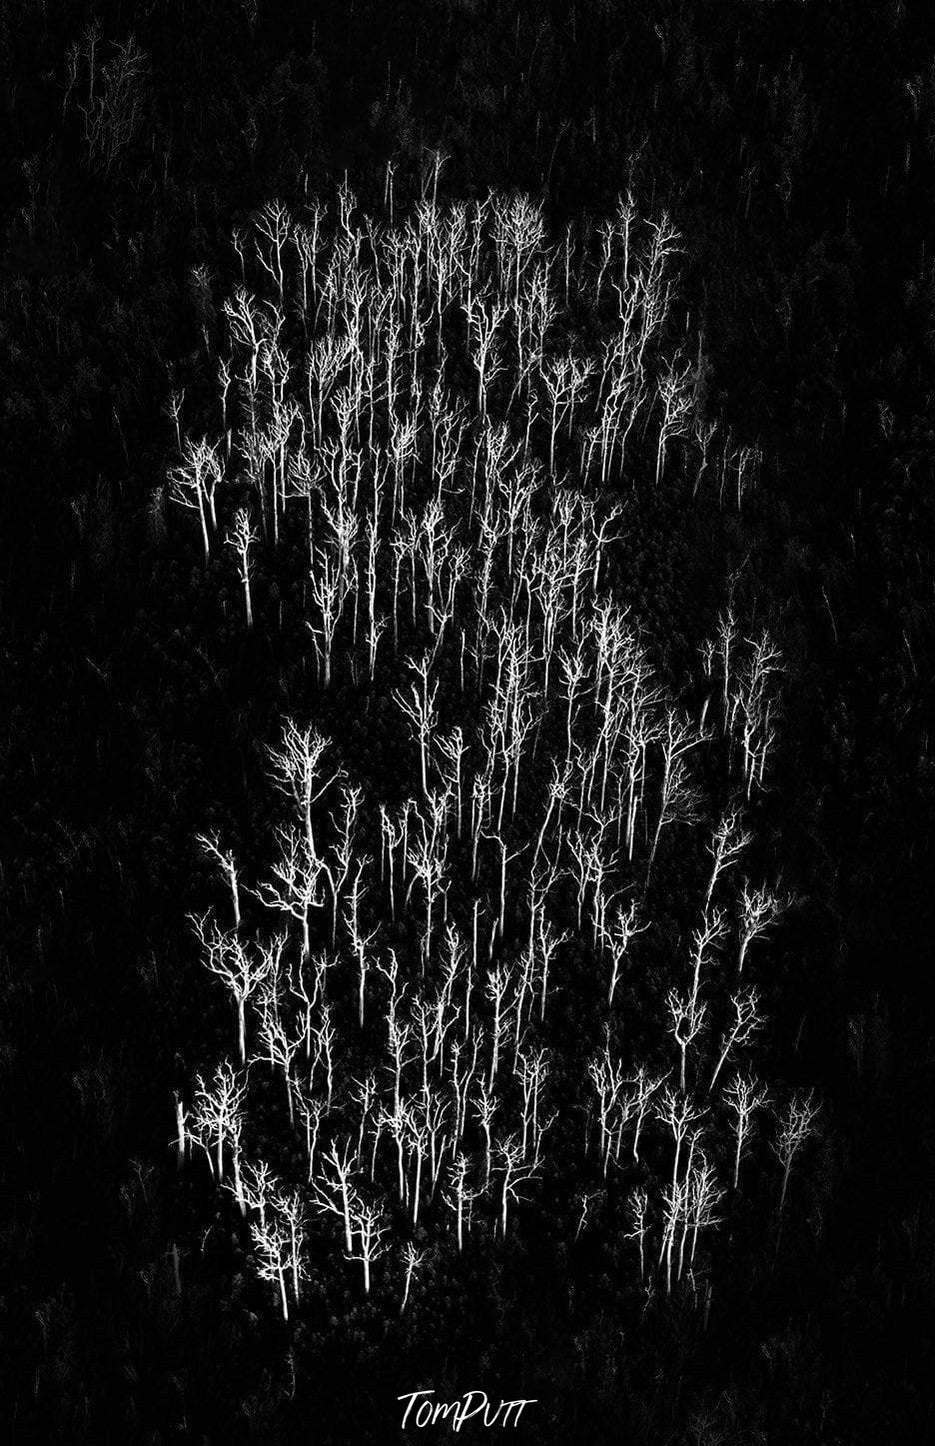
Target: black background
pixel 794 146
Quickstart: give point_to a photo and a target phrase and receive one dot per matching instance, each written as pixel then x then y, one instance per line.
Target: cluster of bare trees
pixel 410 404
pixel 105 87
pixel 348 363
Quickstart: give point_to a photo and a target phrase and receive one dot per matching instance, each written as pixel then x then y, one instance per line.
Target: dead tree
pixel 743 1097
pixel 368 1229
pixel 241 538
pixel 412 1260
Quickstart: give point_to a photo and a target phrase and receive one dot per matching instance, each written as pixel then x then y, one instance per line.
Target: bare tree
pixel 638 1204
pixel 796 1125
pixel 753 704
pixel 679 799
pixel 294 888
pixel 746 1021
pixel 241 538
pixel 333 1191
pixel 729 841
pixel 369 1227
pixel 234 963
pixel 675 395
pixel 291 1210
pixel 280 1046
pixel 412 1260
pixel 485 350
pixel 607 1077
pixel 688 1016
pixel 271 1241
pixel 215 1120
pixel 743 1097
pixel 516 1172
pixel 297 772
pixel 584 1198
pixel 617 939
pixel 760 909
pixel 486 1106
pixel 193 484
pixel 419 708
pixel 210 845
